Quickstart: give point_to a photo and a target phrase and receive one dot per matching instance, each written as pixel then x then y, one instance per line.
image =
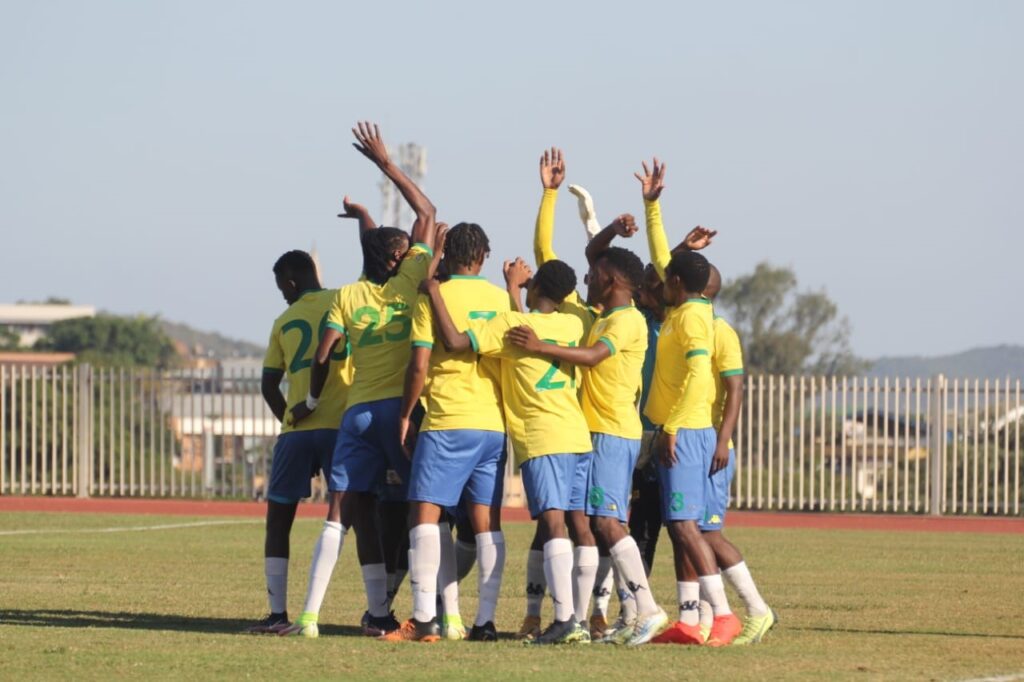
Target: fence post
pixel 937 445
pixel 84 434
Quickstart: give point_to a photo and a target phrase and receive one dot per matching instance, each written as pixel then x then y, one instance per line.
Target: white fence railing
pixel 934 446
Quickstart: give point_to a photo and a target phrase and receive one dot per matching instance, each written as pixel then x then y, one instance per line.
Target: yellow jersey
pixel 726 361
pixel 539 395
pixel 610 388
pixel 683 390
pixel 463 390
pixel 377 320
pixel 293 342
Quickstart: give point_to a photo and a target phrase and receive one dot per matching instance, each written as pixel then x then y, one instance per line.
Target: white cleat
pixel 648 627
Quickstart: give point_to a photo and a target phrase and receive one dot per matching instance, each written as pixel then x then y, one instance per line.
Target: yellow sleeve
pixel 423 323
pixel 624 332
pixel 728 358
pixel 699 381
pixel 657 242
pixel 414 267
pixel 543 236
pixel 336 316
pixel 274 358
pixel 488 336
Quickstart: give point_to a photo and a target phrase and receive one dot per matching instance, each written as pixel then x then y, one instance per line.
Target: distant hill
pixel 997 362
pixel 209 344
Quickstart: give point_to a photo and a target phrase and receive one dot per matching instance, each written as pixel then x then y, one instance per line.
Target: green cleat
pixel 619 633
pixel 452 628
pixel 755 628
pixel 304 626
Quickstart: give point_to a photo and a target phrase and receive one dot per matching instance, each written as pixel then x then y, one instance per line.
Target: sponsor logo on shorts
pixel 677 502
pixel 714 518
pixel 596 496
pixel 391 477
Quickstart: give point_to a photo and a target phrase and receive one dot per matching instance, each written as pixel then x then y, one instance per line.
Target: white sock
pixel 689 601
pixel 714 591
pixel 465 555
pixel 630 565
pixel 536 582
pixel 325 556
pixel 705 614
pixel 447 580
pixel 741 581
pixel 627 600
pixel 424 566
pixel 375 582
pixel 584 573
pixel 558 571
pixel 394 583
pixel 490 548
pixel 604 582
pixel 276 570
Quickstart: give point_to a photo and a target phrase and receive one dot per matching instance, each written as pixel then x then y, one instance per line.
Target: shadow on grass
pixel 904 633
pixel 143 621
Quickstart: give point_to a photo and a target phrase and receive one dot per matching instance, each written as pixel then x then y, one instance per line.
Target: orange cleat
pixel 414 631
pixel 680 633
pixel 724 630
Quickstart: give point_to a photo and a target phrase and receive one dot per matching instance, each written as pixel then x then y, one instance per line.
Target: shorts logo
pixel 677 502
pixel 596 497
pixel 391 477
pixel 714 518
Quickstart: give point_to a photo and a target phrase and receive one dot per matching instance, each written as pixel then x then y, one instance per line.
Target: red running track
pixel 745 519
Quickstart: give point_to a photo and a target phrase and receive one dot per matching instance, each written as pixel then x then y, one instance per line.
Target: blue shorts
pixel 611 475
pixel 716 496
pixel 368 452
pixel 684 484
pixel 458 464
pixel 556 482
pixel 298 457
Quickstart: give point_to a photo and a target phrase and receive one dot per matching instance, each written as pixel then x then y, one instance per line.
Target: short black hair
pixel 555 280
pixel 692 268
pixel 294 263
pixel 378 245
pixel 466 244
pixel 626 263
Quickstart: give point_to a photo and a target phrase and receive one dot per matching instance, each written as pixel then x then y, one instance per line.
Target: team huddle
pixel 408 388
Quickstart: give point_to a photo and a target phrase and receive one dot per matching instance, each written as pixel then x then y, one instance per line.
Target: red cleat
pixel 680 633
pixel 724 630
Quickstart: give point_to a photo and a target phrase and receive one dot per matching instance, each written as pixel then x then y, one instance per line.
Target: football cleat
pixel 483 633
pixel 413 630
pixel 563 632
pixel 648 627
pixel 298 629
pixel 680 633
pixel 452 628
pixel 530 628
pixel 376 626
pixel 724 630
pixel 270 625
pixel 755 628
pixel 598 626
pixel 619 633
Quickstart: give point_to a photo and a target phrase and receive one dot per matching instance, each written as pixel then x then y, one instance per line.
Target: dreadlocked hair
pixel 466 245
pixel 555 280
pixel 294 263
pixel 379 246
pixel 625 263
pixel 691 268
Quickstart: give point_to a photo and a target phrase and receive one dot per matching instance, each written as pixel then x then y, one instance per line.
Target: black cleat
pixel 272 624
pixel 563 632
pixel 483 633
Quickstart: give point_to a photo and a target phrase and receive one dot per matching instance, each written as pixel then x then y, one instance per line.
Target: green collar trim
pixel 466 277
pixel 699 300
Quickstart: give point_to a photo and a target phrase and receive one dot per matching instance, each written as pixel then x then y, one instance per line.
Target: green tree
pixel 786 331
pixel 112 340
pixel 9 339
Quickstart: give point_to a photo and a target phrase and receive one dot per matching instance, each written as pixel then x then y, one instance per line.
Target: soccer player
pixel 372 315
pixel 544 419
pixel 460 447
pixel 302 450
pixel 613 357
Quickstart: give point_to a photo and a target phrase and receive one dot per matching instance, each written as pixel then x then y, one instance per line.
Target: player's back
pixel 575 305
pixel 611 387
pixel 539 395
pixel 377 319
pixel 726 361
pixel 291 349
pixel 463 389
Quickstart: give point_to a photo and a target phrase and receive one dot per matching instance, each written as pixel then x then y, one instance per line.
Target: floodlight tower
pixel 412 159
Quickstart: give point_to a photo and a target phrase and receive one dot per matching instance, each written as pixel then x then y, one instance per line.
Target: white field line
pixel 1012 677
pixel 124 529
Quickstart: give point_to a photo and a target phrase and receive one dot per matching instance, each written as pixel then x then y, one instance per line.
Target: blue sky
pixel 157 157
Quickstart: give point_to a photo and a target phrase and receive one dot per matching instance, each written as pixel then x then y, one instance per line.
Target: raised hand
pixel 552 168
pixel 624 225
pixel 439 238
pixel 652 181
pixel 352 209
pixel 517 273
pixel 525 338
pixel 369 142
pixel 699 238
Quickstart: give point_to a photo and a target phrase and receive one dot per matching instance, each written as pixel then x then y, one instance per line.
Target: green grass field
pixel 171 602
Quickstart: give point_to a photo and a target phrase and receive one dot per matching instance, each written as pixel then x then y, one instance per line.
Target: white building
pixel 31 320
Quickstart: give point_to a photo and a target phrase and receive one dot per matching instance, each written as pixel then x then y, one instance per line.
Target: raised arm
pixel 526 338
pixel 318 373
pixel 730 416
pixel 623 226
pixel 357 212
pixel 652 182
pixel 517 276
pixel 371 145
pixel 453 340
pixel 552 173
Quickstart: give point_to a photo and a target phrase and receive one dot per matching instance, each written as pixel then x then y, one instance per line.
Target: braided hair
pixel 378 247
pixel 466 245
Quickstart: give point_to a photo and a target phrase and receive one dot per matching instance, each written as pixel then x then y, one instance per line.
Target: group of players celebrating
pixel 402 386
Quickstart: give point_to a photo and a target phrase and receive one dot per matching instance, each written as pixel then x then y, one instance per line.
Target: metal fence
pixel 934 446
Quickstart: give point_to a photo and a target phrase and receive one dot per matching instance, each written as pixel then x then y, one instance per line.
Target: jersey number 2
pixel 546 383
